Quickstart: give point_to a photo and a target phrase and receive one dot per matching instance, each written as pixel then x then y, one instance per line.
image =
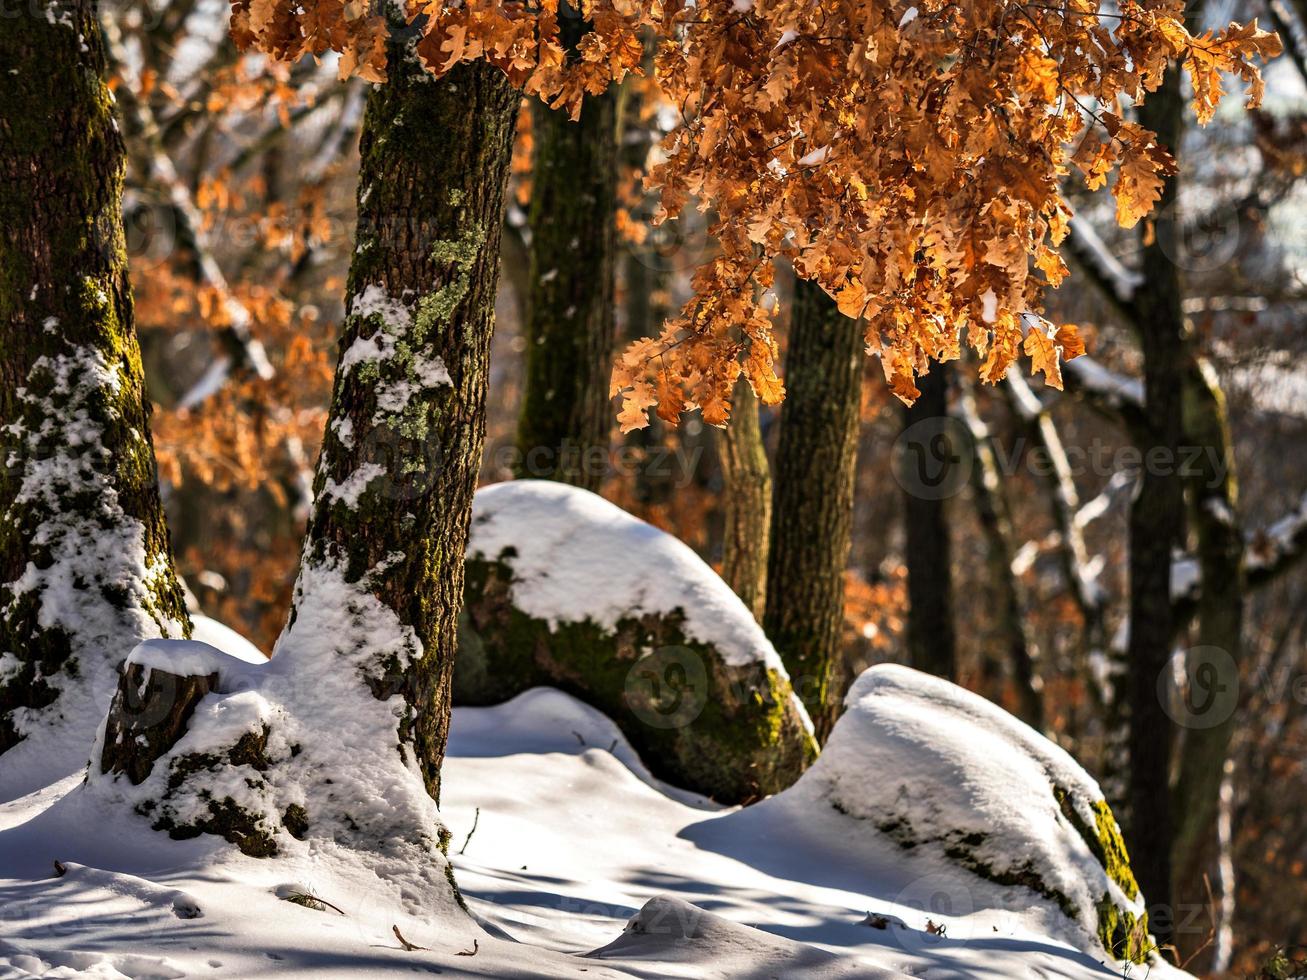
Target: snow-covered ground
pixel 574 862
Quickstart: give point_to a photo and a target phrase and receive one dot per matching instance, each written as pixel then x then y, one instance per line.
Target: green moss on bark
pixel 75 450
pixel 811 531
pixel 435 158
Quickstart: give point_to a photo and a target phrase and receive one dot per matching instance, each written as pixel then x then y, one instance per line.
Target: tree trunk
pixel 812 506
pixel 996 525
pixel 1155 528
pixel 1073 554
pixel 84 555
pixel 400 461
pixel 363 669
pixel 747 478
pixel 566 420
pixel 654 479
pixel 931 640
pixel 1213 670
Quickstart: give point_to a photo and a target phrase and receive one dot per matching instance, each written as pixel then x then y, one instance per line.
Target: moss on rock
pixel 1122 933
pixel 734 733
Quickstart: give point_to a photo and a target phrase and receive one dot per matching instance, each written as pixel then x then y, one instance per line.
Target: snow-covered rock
pixel 669 937
pixel 979 799
pixel 566 589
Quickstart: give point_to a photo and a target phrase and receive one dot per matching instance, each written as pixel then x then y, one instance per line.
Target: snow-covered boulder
pixel 669 937
pixel 961 785
pixel 567 590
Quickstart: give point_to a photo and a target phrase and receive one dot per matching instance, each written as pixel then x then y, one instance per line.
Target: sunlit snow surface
pixel 573 839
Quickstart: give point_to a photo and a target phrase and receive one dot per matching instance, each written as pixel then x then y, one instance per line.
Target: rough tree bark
pixel 85 566
pixel 434 164
pixel 930 632
pixel 566 419
pixel 1155 527
pixel 373 629
pixel 812 504
pixel 747 478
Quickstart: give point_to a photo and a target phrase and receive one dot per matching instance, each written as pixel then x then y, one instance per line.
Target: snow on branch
pixel 1108 392
pixel 1281 545
pixel 1267 554
pixel 1091 253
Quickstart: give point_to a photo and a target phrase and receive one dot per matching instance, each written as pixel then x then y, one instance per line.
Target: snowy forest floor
pixel 573 838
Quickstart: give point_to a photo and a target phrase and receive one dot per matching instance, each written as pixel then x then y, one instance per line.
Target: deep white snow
pixel 580 863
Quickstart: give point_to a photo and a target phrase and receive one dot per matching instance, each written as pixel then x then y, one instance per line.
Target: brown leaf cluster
pixel 906 155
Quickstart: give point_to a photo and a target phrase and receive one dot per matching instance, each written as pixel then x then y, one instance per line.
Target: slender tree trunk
pixel 996 525
pixel 1064 507
pixel 1155 529
pixel 1218 648
pixel 930 634
pixel 566 420
pixel 747 478
pixel 655 478
pixel 85 566
pixel 812 506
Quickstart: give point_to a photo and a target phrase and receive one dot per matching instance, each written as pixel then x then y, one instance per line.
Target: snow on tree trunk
pixel 563 431
pixel 565 589
pixel 339 738
pixel 85 565
pixel 812 509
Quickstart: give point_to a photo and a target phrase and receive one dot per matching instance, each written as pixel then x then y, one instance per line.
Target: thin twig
pixel 475 820
pixel 408 946
pixel 1211 915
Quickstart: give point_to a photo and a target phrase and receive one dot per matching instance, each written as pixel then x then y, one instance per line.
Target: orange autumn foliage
pixel 907 155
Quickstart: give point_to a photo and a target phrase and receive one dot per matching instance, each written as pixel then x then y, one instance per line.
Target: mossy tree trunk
pixel 394 485
pixel 406 429
pixel 85 565
pixel 1218 638
pixel 566 420
pixel 812 504
pixel 1155 527
pixel 932 644
pixel 747 489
